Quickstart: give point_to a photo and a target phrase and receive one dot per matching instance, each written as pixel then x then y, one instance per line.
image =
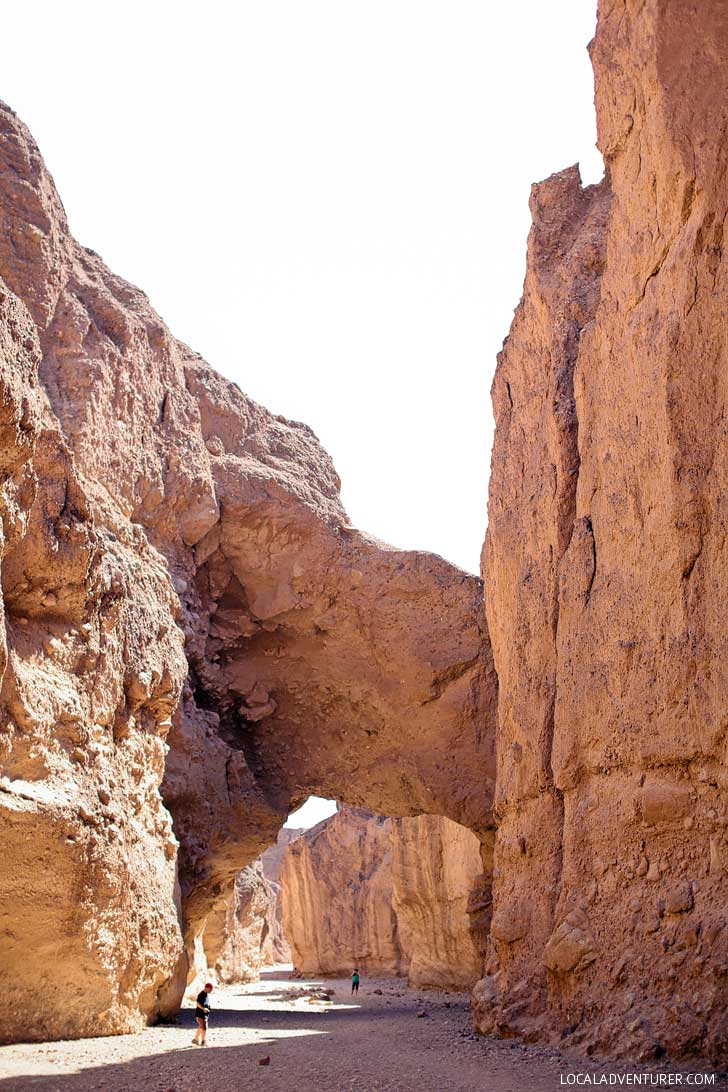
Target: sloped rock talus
pixel 184 599
pixel 604 567
pixel 389 896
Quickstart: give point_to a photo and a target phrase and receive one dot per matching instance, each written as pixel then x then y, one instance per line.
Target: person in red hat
pixel 202 1012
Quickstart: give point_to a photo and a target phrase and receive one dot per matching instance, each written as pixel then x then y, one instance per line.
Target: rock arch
pixel 187 607
pixel 199 599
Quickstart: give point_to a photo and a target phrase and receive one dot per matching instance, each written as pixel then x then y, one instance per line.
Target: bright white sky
pixel 312 812
pixel 328 199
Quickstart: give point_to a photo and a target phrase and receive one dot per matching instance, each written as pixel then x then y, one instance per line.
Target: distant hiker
pixel 202 1012
pixel 355 981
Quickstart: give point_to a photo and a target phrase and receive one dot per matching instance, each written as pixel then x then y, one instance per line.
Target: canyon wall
pixel 276 948
pixel 91 666
pixel 389 896
pixel 192 631
pixel 271 859
pixel 184 602
pixel 441 878
pixel 239 934
pixel 604 565
pixel 242 930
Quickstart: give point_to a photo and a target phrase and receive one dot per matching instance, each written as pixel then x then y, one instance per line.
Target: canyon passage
pixel 194 638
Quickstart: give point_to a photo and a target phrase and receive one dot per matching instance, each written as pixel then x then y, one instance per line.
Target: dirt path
pixel 377 1042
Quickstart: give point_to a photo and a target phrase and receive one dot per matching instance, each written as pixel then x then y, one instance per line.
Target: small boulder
pixel 679 900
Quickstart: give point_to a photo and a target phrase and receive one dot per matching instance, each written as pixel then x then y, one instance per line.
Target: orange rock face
pixel 604 564
pixel 389 896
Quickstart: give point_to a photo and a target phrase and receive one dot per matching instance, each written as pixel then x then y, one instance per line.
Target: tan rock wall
pixel 91 666
pixel 390 896
pixel 271 859
pixel 162 535
pixel 437 873
pixel 604 570
pixel 276 948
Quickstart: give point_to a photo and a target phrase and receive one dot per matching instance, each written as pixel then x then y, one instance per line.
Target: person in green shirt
pixel 355 981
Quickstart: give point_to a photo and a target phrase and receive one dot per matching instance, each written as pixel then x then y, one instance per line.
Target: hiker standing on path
pixel 355 981
pixel 202 1012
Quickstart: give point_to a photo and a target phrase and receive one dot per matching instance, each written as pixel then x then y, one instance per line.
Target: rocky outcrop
pixel 604 564
pixel 390 896
pixel 184 598
pixel 91 667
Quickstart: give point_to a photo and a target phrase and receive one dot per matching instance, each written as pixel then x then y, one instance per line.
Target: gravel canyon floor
pixel 377 1041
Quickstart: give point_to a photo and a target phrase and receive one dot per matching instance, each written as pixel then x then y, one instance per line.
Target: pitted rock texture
pixel 604 566
pixel 91 667
pixel 163 533
pixel 389 896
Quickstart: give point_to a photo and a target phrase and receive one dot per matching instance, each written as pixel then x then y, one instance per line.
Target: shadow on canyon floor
pixel 379 1043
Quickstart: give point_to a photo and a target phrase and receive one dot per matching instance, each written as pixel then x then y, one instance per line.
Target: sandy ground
pixel 377 1041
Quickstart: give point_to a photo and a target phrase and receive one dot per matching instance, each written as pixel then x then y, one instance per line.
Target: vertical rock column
pixel 531 512
pixel 641 724
pixel 605 602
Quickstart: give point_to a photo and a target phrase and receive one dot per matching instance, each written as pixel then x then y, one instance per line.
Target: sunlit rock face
pixel 276 948
pixel 185 602
pixel 389 896
pixel 237 937
pixel 91 667
pixel 604 569
pixel 441 881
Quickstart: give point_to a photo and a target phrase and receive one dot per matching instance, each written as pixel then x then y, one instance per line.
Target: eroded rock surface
pixel 91 666
pixel 178 572
pixel 441 880
pixel 390 896
pixel 604 566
